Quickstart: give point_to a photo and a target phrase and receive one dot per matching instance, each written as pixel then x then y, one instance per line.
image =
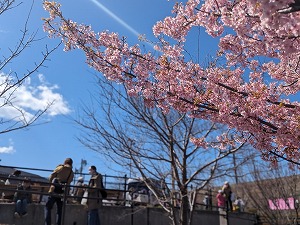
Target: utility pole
pixel 235 168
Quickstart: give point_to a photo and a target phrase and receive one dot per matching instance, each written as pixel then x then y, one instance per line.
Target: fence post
pixel 210 199
pixel 125 188
pixel 66 188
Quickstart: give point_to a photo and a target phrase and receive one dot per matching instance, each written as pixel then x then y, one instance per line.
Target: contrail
pixel 116 18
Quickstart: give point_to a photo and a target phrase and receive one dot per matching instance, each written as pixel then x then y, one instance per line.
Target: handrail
pixel 115 194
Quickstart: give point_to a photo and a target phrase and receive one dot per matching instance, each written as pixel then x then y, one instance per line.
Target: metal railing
pixel 116 187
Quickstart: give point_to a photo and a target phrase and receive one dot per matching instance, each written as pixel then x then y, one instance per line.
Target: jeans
pixel 93 217
pixel 21 206
pixel 49 206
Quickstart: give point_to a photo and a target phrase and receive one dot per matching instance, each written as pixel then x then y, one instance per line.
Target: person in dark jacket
pixel 94 200
pixel 22 197
pixel 226 189
pixel 62 175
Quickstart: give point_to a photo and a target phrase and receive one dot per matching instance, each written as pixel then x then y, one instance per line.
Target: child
pixel 239 204
pixel 22 197
pixel 221 200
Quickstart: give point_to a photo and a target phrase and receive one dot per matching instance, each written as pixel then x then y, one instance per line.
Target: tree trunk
pixel 184 210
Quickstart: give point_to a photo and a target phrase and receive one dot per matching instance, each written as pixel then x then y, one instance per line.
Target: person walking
pixel 62 175
pixel 22 198
pixel 226 189
pixel 94 200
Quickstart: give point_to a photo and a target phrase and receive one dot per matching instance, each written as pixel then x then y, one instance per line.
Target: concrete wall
pixel 111 215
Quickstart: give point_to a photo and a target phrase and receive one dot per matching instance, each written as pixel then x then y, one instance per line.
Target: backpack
pixel 103 191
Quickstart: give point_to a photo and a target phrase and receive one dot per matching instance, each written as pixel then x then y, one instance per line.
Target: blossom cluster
pixel 250 92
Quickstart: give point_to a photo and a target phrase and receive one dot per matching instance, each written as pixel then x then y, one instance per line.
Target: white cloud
pixel 27 99
pixel 8 150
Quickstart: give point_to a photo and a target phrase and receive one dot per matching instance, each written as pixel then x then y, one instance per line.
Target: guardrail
pixel 116 187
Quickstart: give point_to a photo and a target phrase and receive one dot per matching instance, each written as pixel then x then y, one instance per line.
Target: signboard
pixel 282 204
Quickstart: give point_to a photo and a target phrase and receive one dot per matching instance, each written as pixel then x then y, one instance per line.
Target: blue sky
pixel 65 78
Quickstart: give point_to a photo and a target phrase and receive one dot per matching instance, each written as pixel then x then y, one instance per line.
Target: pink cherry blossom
pixel 249 91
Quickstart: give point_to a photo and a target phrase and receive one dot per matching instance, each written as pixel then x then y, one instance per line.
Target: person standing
pixel 63 174
pixel 78 190
pixel 94 200
pixel 22 198
pixel 227 191
pixel 239 204
pixel 207 201
pixel 220 200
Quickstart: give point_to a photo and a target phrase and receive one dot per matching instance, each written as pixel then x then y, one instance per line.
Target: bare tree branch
pixel 156 145
pixel 10 83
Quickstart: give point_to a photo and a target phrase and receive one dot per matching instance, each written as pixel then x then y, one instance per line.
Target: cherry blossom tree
pixel 249 86
pixel 157 148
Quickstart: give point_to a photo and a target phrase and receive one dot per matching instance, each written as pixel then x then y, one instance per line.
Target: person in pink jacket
pixel 221 200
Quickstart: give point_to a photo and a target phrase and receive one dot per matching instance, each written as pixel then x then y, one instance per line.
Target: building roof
pixel 5 171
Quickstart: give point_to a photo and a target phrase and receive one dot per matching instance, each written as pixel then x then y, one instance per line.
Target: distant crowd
pixel 226 199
